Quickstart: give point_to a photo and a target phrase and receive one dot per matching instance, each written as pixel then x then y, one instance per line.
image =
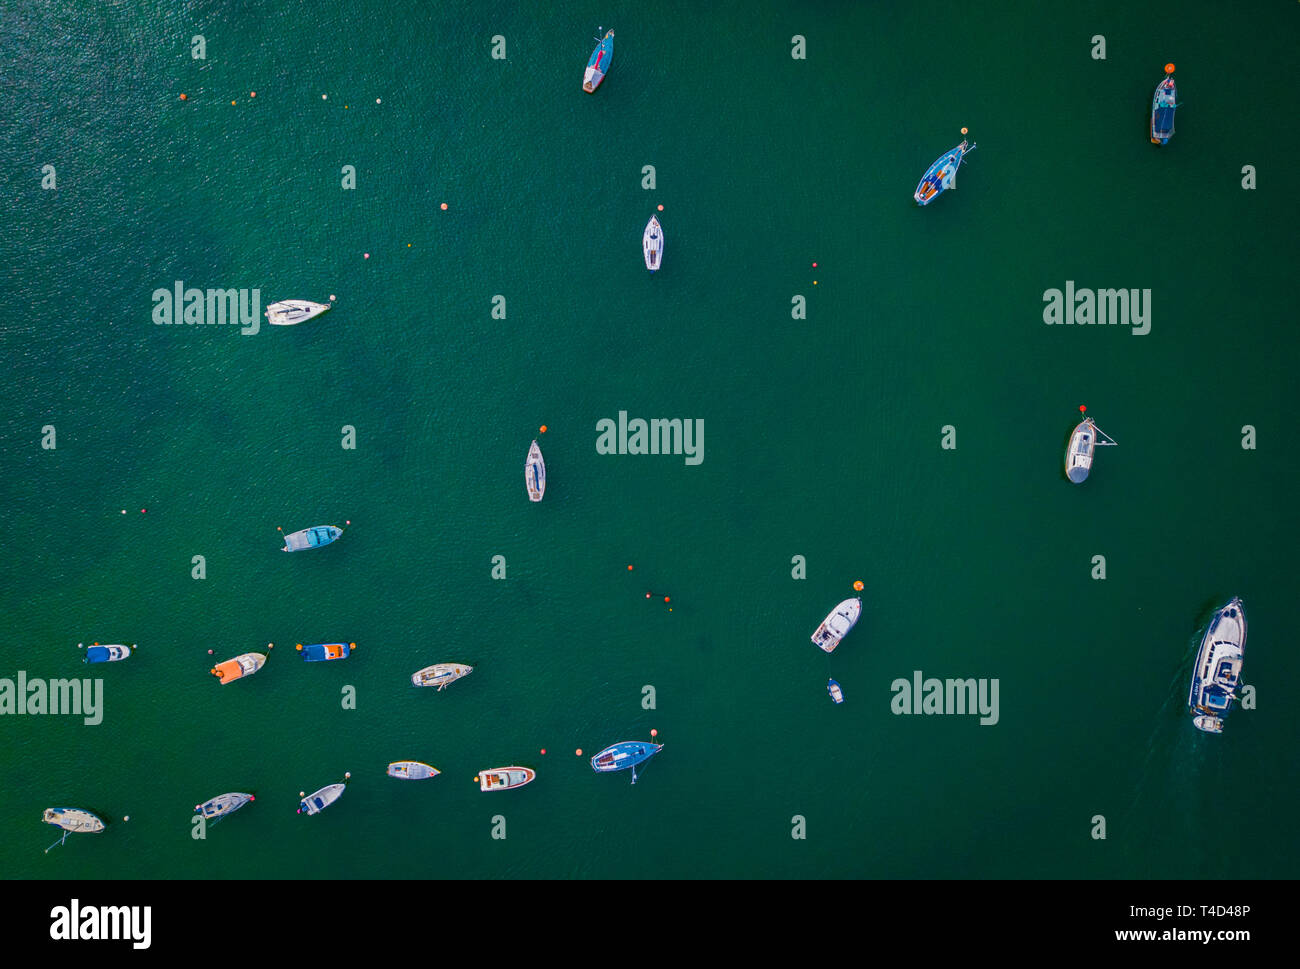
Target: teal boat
pixel 601 58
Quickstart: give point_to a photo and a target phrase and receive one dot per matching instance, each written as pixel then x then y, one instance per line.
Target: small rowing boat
pixel 837 625
pixel 223 805
pixel 107 654
pixel 1084 441
pixel 290 311
pixel 323 652
pixel 412 770
pixel 834 690
pixel 942 175
pixel 535 473
pixel 313 537
pixel 1162 108
pixel 1217 673
pixel 72 821
pixel 315 803
pixel 245 664
pixel 601 58
pixel 440 675
pixel 504 778
pixel 622 756
pixel 652 244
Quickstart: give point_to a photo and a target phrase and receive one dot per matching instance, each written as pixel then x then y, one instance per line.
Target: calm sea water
pixel 822 436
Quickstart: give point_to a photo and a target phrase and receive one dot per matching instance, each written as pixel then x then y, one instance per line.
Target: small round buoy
pixel 963 131
pixel 1083 408
pixel 251 798
pixel 378 101
pixel 647 595
pixel 143 510
pixel 629 568
pixel 252 94
pixel 814 265
pixel 123 511
pixel 654 733
pixel 367 255
pixel 299 647
pixel 475 778
pixel 352 645
pixel 278 528
pixel 666 599
pixel 209 652
pixel 302 793
pixel 324 97
pixel 270 645
pixel 542 429
pixel 348 521
pixel 543 751
pixel 858 585
pixel 82 646
pixel 1169 68
pixel 814 282
pixel 232 104
pixel 444 206
pixel 126 817
pixel 347 774
pixel 661 208
pixel 578 752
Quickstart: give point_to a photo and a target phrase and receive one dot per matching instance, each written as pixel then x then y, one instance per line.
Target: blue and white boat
pixel 107 654
pixel 622 756
pixel 1162 108
pixel 652 244
pixel 313 537
pixel 223 805
pixel 833 688
pixel 320 800
pixel 942 175
pixel 323 652
pixel 601 58
pixel 535 473
pixel 1217 674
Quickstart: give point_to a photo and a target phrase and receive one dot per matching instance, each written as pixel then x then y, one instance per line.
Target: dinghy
pixel 504 778
pixel 72 821
pixel 535 473
pixel 440 675
pixel 412 770
pixel 622 756
pixel 313 537
pixel 290 311
pixel 1162 108
pixel 1084 441
pixel 315 803
pixel 1217 673
pixel 323 652
pixel 245 664
pixel 107 654
pixel 837 625
pixel 834 690
pixel 598 66
pixel 652 244
pixel 942 175
pixel 223 805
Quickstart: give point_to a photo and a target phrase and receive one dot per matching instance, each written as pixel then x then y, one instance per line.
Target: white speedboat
pixel 837 625
pixel 1217 674
pixel 652 244
pixel 504 778
pixel 440 674
pixel 315 803
pixel 290 311
pixel 535 473
pixel 412 770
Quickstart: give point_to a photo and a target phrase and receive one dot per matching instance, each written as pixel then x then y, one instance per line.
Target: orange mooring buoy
pixel 1169 68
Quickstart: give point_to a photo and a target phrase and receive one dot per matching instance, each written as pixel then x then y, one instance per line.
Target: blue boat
pixel 107 654
pixel 834 690
pixel 601 58
pixel 311 538
pixel 321 652
pixel 942 175
pixel 624 755
pixel 1162 108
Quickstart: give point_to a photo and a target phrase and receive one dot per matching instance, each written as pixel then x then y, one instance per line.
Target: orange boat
pixel 246 664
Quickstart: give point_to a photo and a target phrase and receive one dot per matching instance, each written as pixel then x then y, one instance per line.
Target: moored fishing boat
pixel 652 244
pixel 440 675
pixel 504 778
pixel 314 537
pixel 837 625
pixel 223 805
pixel 624 755
pixel 320 800
pixel 107 654
pixel 1217 673
pixel 323 652
pixel 412 770
pixel 942 175
pixel 1163 105
pixel 598 66
pixel 535 473
pixel 245 664
pixel 287 312
pixel 834 690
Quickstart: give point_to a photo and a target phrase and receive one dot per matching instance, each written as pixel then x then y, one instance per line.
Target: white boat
pixel 290 311
pixel 504 778
pixel 315 803
pixel 245 664
pixel 73 819
pixel 412 770
pixel 652 244
pixel 222 805
pixel 440 675
pixel 535 473
pixel 1217 674
pixel 837 625
pixel 1084 441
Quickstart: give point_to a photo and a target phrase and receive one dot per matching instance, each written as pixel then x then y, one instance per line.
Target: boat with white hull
pixel 837 625
pixel 412 770
pixel 291 311
pixel 72 821
pixel 1217 674
pixel 504 778
pixel 1084 441
pixel 652 244
pixel 440 675
pixel 320 800
pixel 535 473
pixel 107 654
pixel 223 805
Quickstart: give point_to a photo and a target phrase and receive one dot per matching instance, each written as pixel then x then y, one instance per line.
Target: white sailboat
pixel 652 244
pixel 535 473
pixel 440 675
pixel 1084 441
pixel 287 312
